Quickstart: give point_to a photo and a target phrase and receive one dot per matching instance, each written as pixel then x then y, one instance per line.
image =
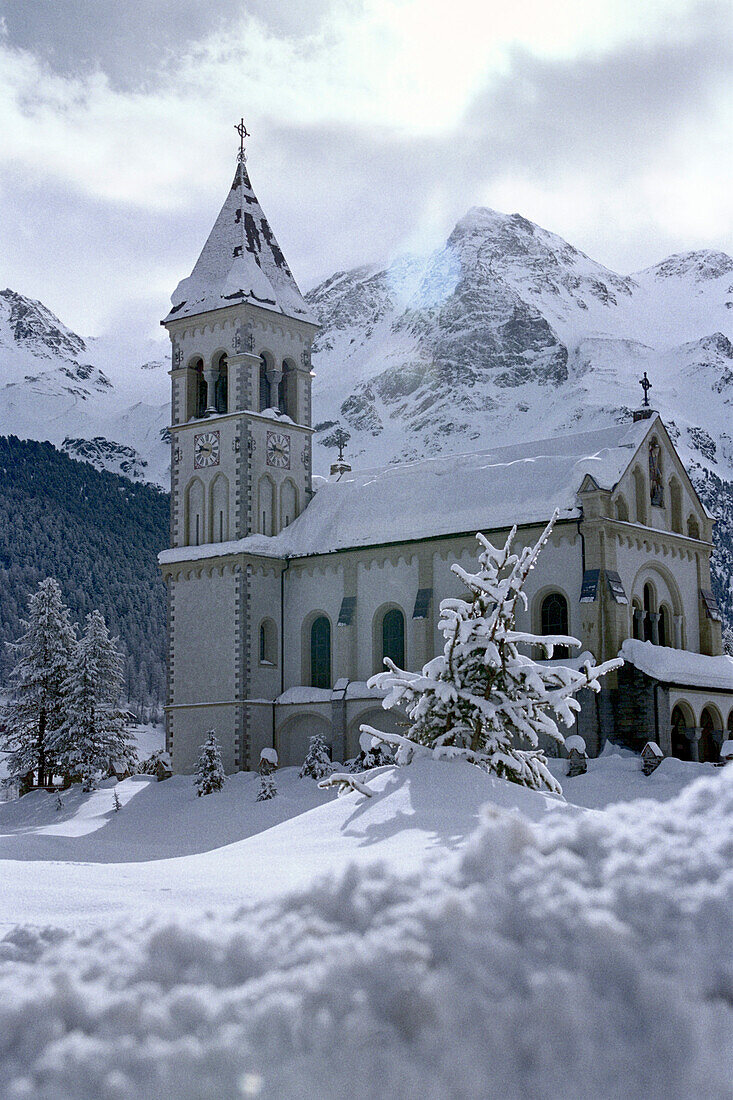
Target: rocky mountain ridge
pixel 83 395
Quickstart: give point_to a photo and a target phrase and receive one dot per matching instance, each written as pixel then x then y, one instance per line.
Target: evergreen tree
pixel 210 767
pixel 37 684
pixel 267 787
pixel 317 763
pixel 94 730
pixel 482 699
pixel 728 640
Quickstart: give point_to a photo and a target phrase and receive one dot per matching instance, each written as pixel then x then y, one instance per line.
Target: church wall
pixel 384 582
pixel 671 567
pixel 205 665
pixel 264 608
pixel 310 587
pixel 228 429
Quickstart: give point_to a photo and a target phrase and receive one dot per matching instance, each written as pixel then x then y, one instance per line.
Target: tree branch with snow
pixel 482 699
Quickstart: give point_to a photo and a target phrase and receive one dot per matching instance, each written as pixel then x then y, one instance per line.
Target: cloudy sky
pixel 375 125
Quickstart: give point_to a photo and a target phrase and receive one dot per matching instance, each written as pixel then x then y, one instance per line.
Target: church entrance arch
pixel 293 737
pixel 682 720
pixel 707 748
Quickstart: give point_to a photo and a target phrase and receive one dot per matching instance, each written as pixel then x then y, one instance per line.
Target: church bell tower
pixel 241 335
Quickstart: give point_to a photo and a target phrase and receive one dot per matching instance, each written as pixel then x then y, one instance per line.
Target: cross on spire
pixel 646 386
pixel 342 438
pixel 243 133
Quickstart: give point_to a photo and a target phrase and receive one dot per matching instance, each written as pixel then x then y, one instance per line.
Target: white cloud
pixel 379 125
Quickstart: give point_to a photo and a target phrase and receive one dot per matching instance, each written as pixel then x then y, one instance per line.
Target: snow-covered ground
pixel 452 936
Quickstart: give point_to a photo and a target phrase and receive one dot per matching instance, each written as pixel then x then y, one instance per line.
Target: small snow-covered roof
pixel 575 741
pixel 240 262
pixel 677 666
pixel 455 494
pixel 653 748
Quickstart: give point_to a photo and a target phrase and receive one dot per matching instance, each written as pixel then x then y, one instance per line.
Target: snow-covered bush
pixel 267 787
pixel 268 760
pixel 210 766
pixel 149 766
pixel 482 699
pixel 37 685
pixel 373 754
pixel 317 763
pixel 93 730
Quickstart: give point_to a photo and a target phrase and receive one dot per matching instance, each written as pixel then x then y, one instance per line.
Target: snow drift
pixel 586 956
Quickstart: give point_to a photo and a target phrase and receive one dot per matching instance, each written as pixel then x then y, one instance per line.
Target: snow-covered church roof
pixel 481 491
pixel 240 262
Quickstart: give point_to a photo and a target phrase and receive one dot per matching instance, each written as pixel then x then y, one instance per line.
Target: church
pixel 286 591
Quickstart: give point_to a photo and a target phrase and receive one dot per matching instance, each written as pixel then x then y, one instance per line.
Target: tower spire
pixel 241 160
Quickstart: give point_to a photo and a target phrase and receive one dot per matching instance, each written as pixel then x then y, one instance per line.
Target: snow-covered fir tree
pixel 37 684
pixel 728 640
pixel 93 731
pixel 210 774
pixel 267 787
pixel 317 763
pixel 482 699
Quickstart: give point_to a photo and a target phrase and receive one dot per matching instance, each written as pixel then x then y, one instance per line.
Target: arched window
pixel 268 643
pixel 195 533
pixel 219 509
pixel 321 653
pixel 639 496
pixel 221 384
pixel 675 497
pixel 287 391
pixel 266 501
pixel 554 620
pixel 707 749
pixel 288 502
pixel 196 390
pixel 622 508
pixel 393 637
pixel 693 528
pixel 680 741
pixel 649 603
pixel 265 400
pixel 664 628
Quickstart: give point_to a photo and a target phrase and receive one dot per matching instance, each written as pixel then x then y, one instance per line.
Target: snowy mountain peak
pixel 702 264
pixel 28 324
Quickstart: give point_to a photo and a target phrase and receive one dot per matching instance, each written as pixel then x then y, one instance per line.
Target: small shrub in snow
pixel 482 699
pixel 150 765
pixel 267 787
pixel 118 804
pixel 317 763
pixel 59 801
pixel 268 761
pixel 210 767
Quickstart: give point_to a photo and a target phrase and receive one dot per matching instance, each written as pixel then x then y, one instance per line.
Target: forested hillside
pixel 98 534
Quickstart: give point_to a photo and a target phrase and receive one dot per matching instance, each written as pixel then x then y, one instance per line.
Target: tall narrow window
pixel 221 385
pixel 265 400
pixel 648 609
pixel 321 653
pixel 393 637
pixel 554 618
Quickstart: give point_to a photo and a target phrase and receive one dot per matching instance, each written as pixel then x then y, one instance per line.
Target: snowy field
pixel 453 936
